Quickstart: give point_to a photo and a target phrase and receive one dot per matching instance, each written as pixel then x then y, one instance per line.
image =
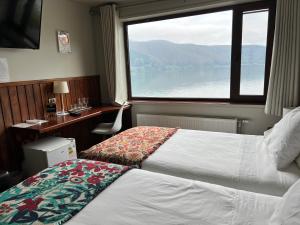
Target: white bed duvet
pixel 145 198
pixel 232 160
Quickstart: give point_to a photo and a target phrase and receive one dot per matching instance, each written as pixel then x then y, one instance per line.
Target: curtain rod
pixel 94 11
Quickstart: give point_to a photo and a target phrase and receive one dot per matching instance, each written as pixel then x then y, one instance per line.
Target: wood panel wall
pixel 20 101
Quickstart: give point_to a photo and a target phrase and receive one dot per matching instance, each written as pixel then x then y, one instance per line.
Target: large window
pixel 221 54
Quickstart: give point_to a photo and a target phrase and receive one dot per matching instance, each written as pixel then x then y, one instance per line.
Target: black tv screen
pixel 20 23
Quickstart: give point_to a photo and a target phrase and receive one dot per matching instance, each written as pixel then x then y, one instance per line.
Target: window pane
pixel 254 42
pixel 187 57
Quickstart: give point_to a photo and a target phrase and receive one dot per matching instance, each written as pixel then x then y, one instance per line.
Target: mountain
pixel 165 54
pixel 166 69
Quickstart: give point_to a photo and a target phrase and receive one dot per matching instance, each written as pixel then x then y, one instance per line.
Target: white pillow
pixel 267 132
pixel 284 140
pixel 287 212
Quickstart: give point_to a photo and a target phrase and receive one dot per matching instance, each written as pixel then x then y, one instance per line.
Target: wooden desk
pixel 63 121
pixel 78 127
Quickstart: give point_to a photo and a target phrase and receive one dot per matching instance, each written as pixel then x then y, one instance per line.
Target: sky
pixel 206 29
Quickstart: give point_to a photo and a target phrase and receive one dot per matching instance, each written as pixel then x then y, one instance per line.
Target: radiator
pixel 229 125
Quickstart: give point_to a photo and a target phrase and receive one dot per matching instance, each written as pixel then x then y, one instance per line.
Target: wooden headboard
pixel 24 100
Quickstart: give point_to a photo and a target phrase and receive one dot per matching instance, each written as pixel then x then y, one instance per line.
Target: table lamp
pixel 61 87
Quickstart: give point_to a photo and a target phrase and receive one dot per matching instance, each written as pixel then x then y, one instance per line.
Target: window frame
pixel 236 50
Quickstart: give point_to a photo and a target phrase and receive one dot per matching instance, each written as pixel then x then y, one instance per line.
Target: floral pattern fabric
pixel 130 147
pixel 56 194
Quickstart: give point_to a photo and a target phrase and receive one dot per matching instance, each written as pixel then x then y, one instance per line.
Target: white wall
pixel 47 62
pixel 258 121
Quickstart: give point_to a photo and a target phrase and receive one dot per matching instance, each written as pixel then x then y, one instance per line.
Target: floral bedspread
pixel 130 147
pixel 56 194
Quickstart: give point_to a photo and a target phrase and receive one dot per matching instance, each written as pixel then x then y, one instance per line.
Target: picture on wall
pixel 64 43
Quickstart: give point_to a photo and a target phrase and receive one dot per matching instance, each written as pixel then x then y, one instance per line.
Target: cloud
pixel 255 28
pixel 206 29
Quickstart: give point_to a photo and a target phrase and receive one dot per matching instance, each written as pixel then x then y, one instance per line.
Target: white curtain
pixel 110 54
pixel 121 78
pixel 284 85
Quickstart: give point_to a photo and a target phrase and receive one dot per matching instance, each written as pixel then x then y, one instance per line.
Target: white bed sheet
pixel 232 160
pixel 142 197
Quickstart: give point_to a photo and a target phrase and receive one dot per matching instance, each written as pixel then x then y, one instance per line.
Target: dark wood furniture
pixel 9 179
pixel 63 121
pixel 78 127
pixel 20 101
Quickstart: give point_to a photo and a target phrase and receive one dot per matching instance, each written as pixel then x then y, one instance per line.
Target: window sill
pixel 197 102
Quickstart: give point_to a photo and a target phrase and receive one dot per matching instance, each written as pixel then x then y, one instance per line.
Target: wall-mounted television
pixel 20 23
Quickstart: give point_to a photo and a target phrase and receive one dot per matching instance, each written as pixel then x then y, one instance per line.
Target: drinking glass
pixel 80 103
pixel 85 102
pixel 75 107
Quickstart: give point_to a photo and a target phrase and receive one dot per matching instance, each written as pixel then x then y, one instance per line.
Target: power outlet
pixel 51 105
pixel 52 100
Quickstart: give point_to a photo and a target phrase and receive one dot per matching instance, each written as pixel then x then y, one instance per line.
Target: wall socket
pixel 52 100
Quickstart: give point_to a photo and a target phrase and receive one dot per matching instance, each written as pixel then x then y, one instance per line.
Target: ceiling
pixel 99 2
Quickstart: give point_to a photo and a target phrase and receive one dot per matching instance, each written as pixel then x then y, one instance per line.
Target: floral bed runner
pixel 130 147
pixel 56 194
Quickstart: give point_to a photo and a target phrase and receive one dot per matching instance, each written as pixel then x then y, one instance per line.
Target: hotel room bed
pixel 232 160
pixel 86 192
pixel 142 197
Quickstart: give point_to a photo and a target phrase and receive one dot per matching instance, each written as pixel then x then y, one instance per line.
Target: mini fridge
pixel 47 152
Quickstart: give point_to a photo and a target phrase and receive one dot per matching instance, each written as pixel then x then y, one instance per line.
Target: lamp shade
pixel 60 87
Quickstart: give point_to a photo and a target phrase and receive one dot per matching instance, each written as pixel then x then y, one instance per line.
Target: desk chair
pixel 111 128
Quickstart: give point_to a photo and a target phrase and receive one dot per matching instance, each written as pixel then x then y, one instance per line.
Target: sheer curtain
pixel 110 54
pixel 121 78
pixel 284 86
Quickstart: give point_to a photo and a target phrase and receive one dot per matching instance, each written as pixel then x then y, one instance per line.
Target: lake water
pixel 209 82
